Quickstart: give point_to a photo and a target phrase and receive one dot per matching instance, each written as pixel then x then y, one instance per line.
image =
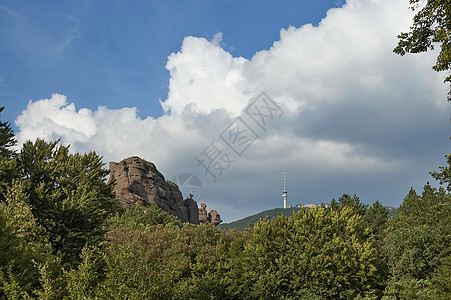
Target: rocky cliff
pixel 139 180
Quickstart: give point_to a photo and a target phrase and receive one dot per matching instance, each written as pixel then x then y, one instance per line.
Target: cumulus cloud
pixel 354 114
pixel 115 134
pixel 205 77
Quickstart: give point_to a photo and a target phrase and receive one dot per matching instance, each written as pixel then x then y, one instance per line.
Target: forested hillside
pixel 244 223
pixel 64 236
pixel 251 220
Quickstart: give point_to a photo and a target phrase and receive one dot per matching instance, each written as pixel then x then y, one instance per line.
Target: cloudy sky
pixel 180 83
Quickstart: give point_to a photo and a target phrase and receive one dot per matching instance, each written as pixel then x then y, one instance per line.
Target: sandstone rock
pixel 139 180
pixel 193 213
pixel 203 217
pixel 212 217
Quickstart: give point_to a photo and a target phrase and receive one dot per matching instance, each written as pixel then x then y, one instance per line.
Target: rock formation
pixel 212 217
pixel 203 213
pixel 139 180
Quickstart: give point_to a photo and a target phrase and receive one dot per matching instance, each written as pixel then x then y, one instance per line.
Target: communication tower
pixel 285 195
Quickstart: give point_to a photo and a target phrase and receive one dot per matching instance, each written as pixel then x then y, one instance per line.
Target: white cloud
pixel 350 51
pixel 48 118
pixel 115 134
pixel 348 101
pixel 205 77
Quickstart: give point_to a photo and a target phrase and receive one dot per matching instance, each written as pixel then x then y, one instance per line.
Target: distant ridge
pixel 242 224
pixel 271 213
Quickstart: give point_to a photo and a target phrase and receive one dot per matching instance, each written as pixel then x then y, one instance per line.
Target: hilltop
pixel 242 224
pixel 271 213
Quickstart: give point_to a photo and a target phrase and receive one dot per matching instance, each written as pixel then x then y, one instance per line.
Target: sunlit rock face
pixel 212 217
pixel 138 180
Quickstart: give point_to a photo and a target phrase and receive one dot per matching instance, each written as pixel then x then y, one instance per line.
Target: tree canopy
pixel 68 195
pixel 444 175
pixel 418 243
pixel 431 27
pixel 7 138
pixel 314 253
pixel 7 163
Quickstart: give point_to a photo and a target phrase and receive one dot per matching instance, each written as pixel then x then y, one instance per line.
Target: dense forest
pixel 64 236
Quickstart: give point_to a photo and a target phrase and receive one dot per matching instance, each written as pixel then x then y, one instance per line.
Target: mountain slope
pixel 242 224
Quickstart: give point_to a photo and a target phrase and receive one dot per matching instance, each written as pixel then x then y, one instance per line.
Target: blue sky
pixel 114 52
pixel 166 80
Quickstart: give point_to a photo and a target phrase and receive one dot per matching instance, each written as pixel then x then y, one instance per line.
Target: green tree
pixel 7 163
pixel 83 282
pixel 376 218
pixel 334 205
pixel 7 138
pixel 444 175
pixel 144 264
pixel 431 27
pixel 313 254
pixel 23 248
pixel 159 262
pixel 346 200
pixel 231 263
pixel 418 242
pixel 208 258
pixel 68 195
pixel 143 217
pixel 441 281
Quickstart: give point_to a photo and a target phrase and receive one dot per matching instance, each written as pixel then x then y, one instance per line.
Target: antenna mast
pixel 285 195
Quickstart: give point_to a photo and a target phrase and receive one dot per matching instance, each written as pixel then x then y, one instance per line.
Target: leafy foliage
pixel 418 242
pixel 68 195
pixel 431 27
pixel 170 262
pixel 444 176
pixel 143 217
pixel 22 247
pixel 314 252
pixel 352 202
pixel 7 162
pixel 83 282
pixel 376 218
pixel 7 138
pixel 441 280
